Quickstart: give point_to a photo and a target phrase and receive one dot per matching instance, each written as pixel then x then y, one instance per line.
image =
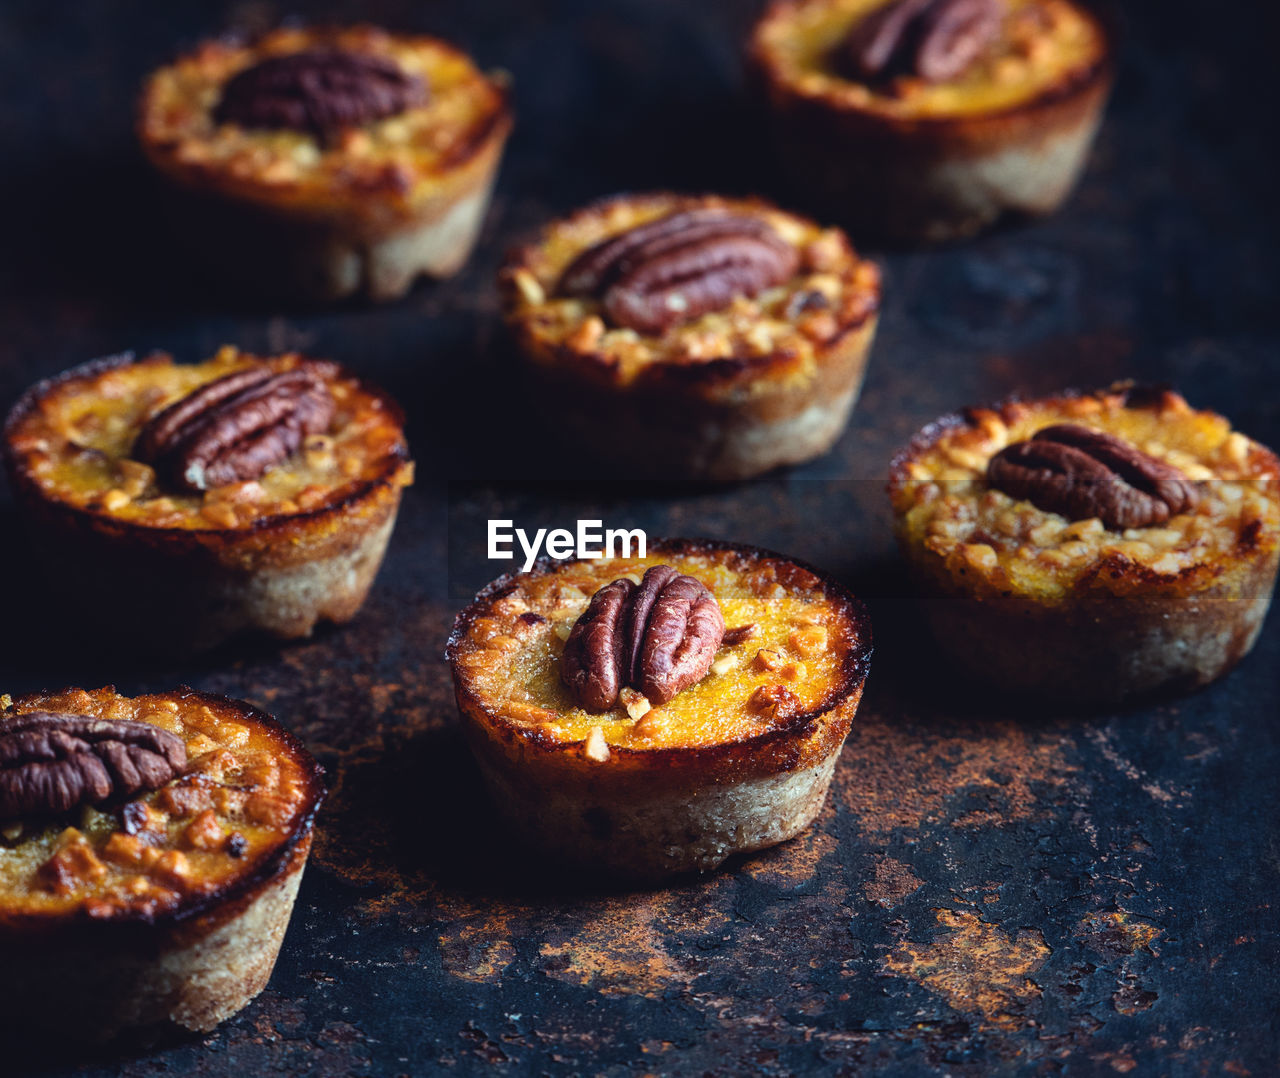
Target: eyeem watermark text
pixel 591 540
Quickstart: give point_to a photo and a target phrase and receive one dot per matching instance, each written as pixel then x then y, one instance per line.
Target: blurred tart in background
pixel 924 120
pixel 327 162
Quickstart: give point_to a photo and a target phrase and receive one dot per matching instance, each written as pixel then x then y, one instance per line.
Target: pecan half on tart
pixel 926 120
pixel 150 853
pixel 696 337
pixel 1096 546
pixel 652 716
pixel 188 503
pixel 323 163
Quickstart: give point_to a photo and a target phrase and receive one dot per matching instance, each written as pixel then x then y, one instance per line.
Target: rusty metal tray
pixel 985 892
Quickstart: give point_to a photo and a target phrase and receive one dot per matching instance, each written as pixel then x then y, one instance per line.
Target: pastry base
pixel 324 261
pixel 175 593
pixel 1101 648
pixel 937 179
pixel 95 982
pixel 639 836
pixel 669 430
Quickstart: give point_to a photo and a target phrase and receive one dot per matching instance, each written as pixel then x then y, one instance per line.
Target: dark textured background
pixel 984 892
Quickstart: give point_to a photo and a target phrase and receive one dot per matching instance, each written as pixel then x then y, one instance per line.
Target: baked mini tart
pixel 730 751
pixel 926 120
pixel 693 336
pixel 152 883
pixel 1030 580
pixel 265 504
pixel 328 162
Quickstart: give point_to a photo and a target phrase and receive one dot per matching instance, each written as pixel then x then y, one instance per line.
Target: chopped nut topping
pixel 636 704
pixel 1005 543
pixel 525 688
pixel 617 291
pixel 204 832
pixel 132 398
pixel 596 747
pixel 75 865
pixel 725 663
pixel 767 659
pixel 774 702
pixel 809 642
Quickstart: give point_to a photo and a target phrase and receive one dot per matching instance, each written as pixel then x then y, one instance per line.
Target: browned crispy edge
pixel 933 136
pixel 711 379
pixel 804 739
pixel 280 533
pixel 485 138
pixel 1114 567
pixel 199 914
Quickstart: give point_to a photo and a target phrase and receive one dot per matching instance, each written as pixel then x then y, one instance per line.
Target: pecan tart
pixel 328 162
pixel 187 503
pixel 150 852
pixel 694 336
pixel 1097 546
pixel 653 716
pixel 929 119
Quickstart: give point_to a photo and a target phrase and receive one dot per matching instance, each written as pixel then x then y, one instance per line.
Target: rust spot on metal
pixel 897 777
pixel 794 863
pixel 474 955
pixel 1117 934
pixel 976 967
pixel 627 946
pixel 893 881
pixel 1131 998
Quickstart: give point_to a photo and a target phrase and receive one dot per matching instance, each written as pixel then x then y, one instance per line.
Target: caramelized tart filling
pixel 1221 494
pixel 242 793
pixel 788 649
pixel 81 446
pixel 1041 45
pixel 429 109
pixel 771 283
